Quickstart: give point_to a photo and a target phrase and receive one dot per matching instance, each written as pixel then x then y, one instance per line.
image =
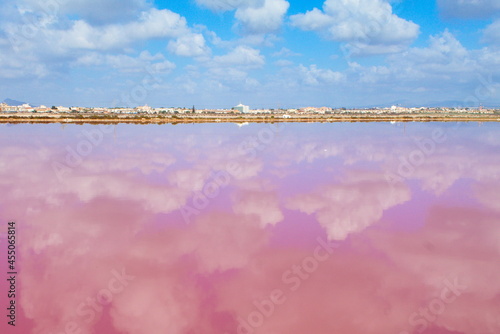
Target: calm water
pixel 219 228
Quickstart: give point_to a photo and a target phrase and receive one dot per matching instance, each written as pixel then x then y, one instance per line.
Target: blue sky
pixel 264 53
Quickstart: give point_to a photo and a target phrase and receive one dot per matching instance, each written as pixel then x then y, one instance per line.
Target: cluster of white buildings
pixel 240 108
pixel 4 107
pixel 22 108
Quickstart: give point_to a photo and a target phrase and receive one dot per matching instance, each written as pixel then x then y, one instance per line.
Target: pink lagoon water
pixel 364 228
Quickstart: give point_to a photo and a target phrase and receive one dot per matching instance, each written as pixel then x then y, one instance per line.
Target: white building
pixel 242 108
pixel 145 108
pixel 63 109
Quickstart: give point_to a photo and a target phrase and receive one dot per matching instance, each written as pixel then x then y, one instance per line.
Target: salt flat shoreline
pixel 14 118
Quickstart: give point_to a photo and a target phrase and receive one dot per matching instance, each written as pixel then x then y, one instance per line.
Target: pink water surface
pixel 319 228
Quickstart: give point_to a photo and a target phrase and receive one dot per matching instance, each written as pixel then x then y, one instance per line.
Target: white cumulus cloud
pixel 263 19
pixel 242 56
pixel 189 45
pixel 367 26
pixel 313 75
pixel 492 33
pixel 126 63
pixel 151 24
pixel 253 16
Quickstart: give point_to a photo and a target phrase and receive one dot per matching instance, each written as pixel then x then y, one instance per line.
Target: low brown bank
pixel 236 118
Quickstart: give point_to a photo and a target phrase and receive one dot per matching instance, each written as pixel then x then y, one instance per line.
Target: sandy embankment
pixel 237 118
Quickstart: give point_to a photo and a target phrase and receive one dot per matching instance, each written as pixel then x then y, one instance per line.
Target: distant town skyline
pixel 262 53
